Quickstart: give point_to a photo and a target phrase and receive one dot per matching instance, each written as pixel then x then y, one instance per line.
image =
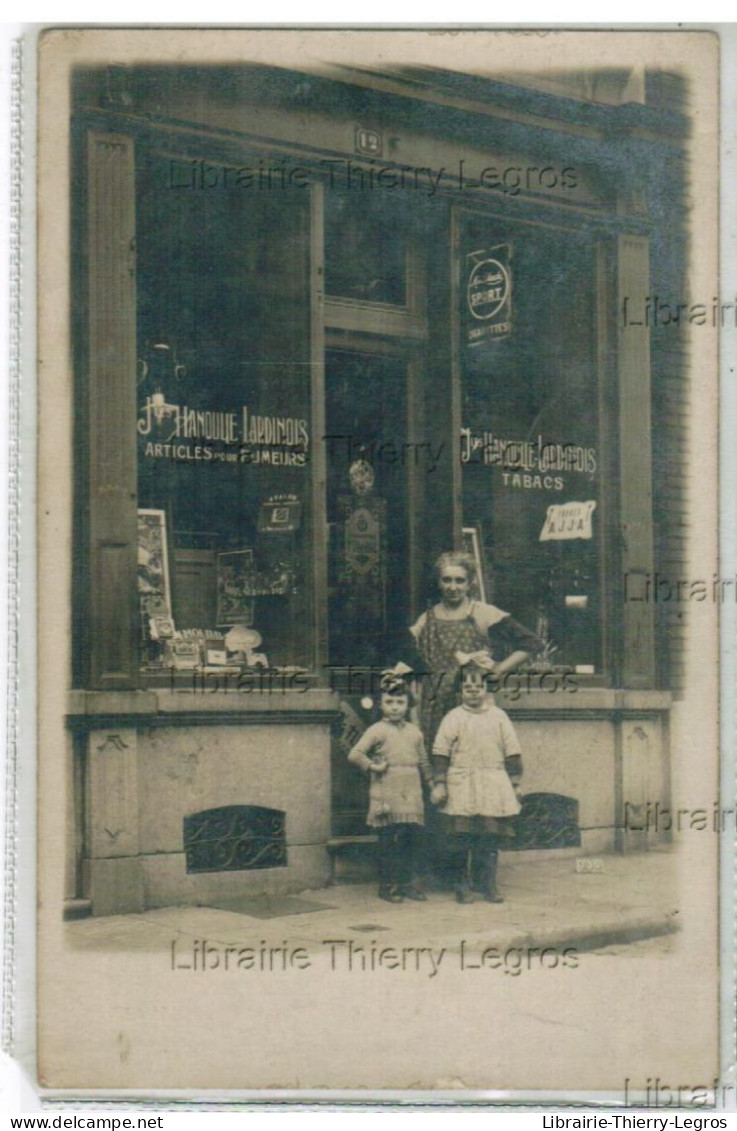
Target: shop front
pixel 326 329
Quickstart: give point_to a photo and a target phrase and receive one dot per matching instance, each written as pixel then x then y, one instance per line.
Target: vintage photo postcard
pixel 379 589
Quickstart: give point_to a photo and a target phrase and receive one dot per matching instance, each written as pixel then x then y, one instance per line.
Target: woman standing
pixel 458 623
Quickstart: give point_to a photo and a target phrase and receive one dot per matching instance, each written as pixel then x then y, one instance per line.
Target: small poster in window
pixel 281 514
pixel 234 575
pixel 154 588
pixel 568 520
pixel 486 295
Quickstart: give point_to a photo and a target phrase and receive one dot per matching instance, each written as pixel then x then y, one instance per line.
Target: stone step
pixel 353 858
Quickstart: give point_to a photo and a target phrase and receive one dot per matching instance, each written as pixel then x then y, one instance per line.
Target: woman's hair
pixel 460 560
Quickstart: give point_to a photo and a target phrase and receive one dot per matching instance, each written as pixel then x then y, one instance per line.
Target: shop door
pixel 370 470
pixel 376 373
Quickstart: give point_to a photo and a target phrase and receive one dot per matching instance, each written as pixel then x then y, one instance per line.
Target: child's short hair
pixel 466 669
pixel 481 662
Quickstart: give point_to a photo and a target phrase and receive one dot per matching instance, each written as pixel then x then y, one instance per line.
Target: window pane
pixel 365 247
pixel 531 431
pixel 224 423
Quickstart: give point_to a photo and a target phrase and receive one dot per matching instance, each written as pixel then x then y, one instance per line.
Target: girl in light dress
pixel 477 764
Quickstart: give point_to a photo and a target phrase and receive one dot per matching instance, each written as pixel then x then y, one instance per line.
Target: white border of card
pixel 263 993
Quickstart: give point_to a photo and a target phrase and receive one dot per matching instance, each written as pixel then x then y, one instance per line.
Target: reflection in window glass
pixel 531 434
pixel 223 418
pixel 365 248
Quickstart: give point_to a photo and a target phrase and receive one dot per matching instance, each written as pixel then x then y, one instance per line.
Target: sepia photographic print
pixel 379 579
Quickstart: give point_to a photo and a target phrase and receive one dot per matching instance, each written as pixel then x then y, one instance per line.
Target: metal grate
pixel 235 838
pixel 547 820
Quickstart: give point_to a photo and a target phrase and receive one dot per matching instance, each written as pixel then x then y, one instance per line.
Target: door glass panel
pixel 365 248
pixel 367 468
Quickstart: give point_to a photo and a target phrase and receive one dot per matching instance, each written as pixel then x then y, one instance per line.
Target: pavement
pixel 550 900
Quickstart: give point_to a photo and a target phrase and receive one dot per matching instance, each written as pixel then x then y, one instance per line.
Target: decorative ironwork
pixel 547 820
pixel 235 838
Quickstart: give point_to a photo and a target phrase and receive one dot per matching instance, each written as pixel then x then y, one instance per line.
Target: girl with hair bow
pixel 477 765
pixel 393 752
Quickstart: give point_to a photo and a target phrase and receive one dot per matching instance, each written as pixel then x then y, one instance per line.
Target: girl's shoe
pixel 390 894
pixel 409 891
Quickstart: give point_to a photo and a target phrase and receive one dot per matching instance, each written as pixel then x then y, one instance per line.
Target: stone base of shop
pixel 146 882
pixel 169 796
pixel 169 792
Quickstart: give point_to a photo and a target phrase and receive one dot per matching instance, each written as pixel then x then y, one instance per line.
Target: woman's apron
pixel 437 643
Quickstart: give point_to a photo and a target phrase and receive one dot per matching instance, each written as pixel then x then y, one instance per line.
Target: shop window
pixel 531 450
pixel 223 426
